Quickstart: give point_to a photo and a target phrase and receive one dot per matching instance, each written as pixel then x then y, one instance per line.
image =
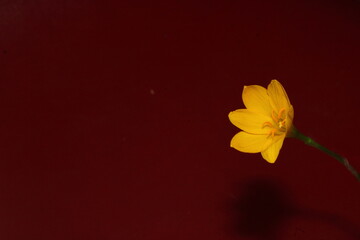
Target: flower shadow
pixel 262 207
pixel 259 209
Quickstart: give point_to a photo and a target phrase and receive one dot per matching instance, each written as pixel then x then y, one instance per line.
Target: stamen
pixel 276 119
pixel 268 124
pixel 272 132
pixel 282 124
pixel 279 121
pixel 280 113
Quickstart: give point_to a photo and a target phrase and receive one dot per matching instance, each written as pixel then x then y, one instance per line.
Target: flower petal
pixel 272 152
pixel 278 96
pixel 255 98
pixel 290 118
pixel 250 143
pixel 250 121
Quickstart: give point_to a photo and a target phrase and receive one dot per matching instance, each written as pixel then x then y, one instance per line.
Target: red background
pixel 114 119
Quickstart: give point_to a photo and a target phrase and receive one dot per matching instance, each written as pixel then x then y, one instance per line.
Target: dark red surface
pixel 114 120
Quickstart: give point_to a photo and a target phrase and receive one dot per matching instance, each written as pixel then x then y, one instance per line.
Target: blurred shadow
pixel 262 206
pixel 260 209
pixel 349 228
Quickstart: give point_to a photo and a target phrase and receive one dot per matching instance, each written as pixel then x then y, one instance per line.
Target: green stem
pixel 296 134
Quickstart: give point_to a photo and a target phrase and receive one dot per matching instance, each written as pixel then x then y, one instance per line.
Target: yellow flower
pixel 265 122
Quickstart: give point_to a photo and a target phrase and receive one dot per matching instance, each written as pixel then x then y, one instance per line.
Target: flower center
pixel 278 126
